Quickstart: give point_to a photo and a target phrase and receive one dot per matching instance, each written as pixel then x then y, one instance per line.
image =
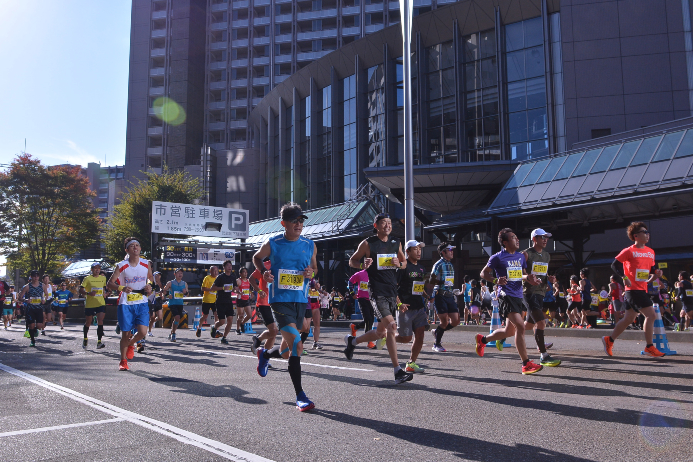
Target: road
pixel 198 399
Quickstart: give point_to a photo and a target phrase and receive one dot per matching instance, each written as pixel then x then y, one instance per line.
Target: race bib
pixel 246 291
pixel 62 302
pixel 337 299
pixel 228 287
pixel 178 295
pixel 595 300
pixel 135 298
pixel 449 281
pixel 540 269
pixel 385 261
pixel 8 302
pixel 642 275
pixel 561 294
pixel 655 283
pixel 514 273
pixel 98 292
pixel 689 293
pixel 35 301
pixel 290 280
pixel 417 288
pixel 363 285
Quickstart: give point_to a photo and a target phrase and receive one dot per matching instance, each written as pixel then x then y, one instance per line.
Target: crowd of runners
pixel 394 292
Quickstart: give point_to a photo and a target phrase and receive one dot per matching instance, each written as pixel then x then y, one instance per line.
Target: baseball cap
pixel 540 232
pixel 413 243
pixel 291 213
pixel 381 216
pixel 34 273
pixel 96 263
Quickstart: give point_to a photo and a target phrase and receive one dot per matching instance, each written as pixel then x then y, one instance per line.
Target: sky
pixel 64 80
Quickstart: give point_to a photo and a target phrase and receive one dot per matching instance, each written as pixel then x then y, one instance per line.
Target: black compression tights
pixel 368 315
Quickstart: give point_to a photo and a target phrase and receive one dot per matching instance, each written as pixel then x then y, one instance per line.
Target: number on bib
pixel 99 292
pixel 689 293
pixel 642 275
pixel 134 297
pixel 363 285
pixel 246 291
pixel 290 280
pixel 514 273
pixel 35 301
pixel 449 281
pixel 417 288
pixel 178 295
pixel 561 294
pixel 385 261
pixel 595 300
pixel 540 269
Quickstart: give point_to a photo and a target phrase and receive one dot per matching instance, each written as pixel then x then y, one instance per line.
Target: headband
pixel 134 241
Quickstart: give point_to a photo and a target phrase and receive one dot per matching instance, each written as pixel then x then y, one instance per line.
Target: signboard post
pixel 199 220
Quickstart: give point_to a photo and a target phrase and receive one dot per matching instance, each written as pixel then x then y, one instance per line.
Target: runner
pixel 684 292
pixel 475 302
pixel 209 298
pixel 243 309
pixel 508 265
pixel 561 304
pixel 486 301
pixel 324 304
pixel 155 300
pixel 382 274
pixel 360 280
pixel 34 295
pixel 293 263
pixel 638 261
pixel 6 300
pixel 314 296
pixel 129 278
pixel 62 298
pixel 586 292
pixel 263 306
pixel 411 309
pixel 92 288
pixel 176 291
pixel 466 297
pixel 335 304
pixel 575 306
pixel 224 285
pixel 48 302
pixel 537 259
pixel 443 276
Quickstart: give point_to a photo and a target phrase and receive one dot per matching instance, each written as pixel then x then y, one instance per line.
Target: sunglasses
pixel 643 231
pixel 297 220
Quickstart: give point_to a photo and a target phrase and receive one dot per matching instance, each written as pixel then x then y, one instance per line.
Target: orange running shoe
pixel 608 345
pixel 371 345
pixel 653 351
pixel 531 368
pixel 480 346
pixel 353 329
pixel 131 352
pixel 123 365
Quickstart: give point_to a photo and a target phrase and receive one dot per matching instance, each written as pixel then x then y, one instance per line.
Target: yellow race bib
pixel 385 261
pixel 228 287
pixel 8 302
pixel 417 288
pixel 290 280
pixel 35 301
pixel 99 292
pixel 642 275
pixel 135 297
pixel 449 281
pixel 178 295
pixel 246 291
pixel 689 293
pixel 363 285
pixel 514 273
pixel 561 294
pixel 540 269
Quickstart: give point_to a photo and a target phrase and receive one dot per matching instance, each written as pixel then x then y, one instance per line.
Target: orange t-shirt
pixel 636 265
pixel 261 301
pixel 574 291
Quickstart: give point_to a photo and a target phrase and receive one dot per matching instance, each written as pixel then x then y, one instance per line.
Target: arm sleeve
pixel 617 268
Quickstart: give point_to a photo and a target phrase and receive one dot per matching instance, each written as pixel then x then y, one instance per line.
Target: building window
pixel 399 110
pixel 442 114
pixel 301 190
pixel 376 116
pixel 524 58
pixel 324 161
pixel 349 136
pixel 482 129
pixel 287 184
pixel 274 167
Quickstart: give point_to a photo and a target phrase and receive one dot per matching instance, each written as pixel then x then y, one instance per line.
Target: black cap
pixel 381 216
pixel 34 273
pixel 293 212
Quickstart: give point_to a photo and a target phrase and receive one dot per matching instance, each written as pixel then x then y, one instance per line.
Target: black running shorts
pixel 636 300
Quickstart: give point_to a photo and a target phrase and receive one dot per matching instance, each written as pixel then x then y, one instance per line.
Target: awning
pixel 82 268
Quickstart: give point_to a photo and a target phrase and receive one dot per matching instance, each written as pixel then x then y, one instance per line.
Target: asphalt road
pixel 198 399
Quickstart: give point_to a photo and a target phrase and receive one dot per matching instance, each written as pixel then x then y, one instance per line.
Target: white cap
pixel 413 243
pixel 540 232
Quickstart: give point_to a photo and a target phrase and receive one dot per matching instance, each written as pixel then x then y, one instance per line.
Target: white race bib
pixel 417 288
pixel 514 273
pixel 228 287
pixel 642 275
pixel 363 285
pixel 449 281
pixel 595 300
pixel 540 269
pixel 290 280
pixel 385 261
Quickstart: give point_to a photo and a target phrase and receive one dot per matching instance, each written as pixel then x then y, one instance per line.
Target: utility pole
pixel 406 8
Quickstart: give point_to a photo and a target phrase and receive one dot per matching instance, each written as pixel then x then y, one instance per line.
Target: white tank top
pixel 134 277
pixel 49 289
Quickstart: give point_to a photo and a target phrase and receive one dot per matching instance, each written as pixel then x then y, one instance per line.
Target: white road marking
pixel 284 361
pixel 59 427
pixel 184 436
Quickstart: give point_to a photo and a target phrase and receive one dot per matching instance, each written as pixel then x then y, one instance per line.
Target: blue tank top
pixel 549 297
pixel 289 259
pixel 176 287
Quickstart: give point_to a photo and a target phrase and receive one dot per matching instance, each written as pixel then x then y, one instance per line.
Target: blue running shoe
pixel 303 403
pixel 117 329
pixel 262 363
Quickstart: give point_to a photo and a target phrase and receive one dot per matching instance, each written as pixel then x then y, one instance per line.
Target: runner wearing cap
pixel 382 257
pixel 538 258
pixel 35 296
pixel 224 285
pixel 129 278
pixel 293 263
pixel 638 264
pixel 411 309
pixel 176 291
pixel 271 330
pixel 209 297
pixel 509 267
pixel 92 289
pixel 443 276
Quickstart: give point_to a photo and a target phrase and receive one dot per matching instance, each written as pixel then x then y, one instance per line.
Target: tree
pixel 132 217
pixel 46 213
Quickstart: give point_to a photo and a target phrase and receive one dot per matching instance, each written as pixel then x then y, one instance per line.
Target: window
pixel 324 161
pixel 442 114
pixel 301 190
pixel 398 112
pixel 376 116
pixel 599 132
pixel 349 135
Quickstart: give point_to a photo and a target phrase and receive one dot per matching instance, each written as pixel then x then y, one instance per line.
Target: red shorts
pixel 315 306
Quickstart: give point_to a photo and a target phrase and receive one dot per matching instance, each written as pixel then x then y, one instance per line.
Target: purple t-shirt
pixel 360 280
pixel 511 266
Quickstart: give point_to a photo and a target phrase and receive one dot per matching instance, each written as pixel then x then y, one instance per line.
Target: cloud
pixel 73 155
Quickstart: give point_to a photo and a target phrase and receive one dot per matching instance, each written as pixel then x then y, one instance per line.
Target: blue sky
pixel 64 80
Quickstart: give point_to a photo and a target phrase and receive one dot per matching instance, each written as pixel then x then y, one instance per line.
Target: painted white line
pixel 284 361
pixel 59 427
pixel 184 436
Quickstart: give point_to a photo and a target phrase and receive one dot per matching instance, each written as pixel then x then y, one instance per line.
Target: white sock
pixel 397 369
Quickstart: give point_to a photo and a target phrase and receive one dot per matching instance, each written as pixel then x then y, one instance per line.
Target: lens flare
pixel 168 110
pixel 664 424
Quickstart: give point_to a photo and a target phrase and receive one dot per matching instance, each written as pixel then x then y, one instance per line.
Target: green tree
pixel 132 217
pixel 46 213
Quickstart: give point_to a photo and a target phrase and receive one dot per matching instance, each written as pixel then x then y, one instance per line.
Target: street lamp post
pixel 406 8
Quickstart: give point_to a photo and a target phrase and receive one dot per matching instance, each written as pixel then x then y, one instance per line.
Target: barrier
pixel 659 339
pixel 310 334
pixel 248 328
pixel 196 320
pixel 496 324
pixel 168 319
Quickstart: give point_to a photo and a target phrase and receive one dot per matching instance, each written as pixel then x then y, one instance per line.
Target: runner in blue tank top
pixel 293 263
pixel 176 290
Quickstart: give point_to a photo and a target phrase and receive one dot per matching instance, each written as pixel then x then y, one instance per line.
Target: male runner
pixel 638 261
pixel 244 312
pixel 129 278
pixel 411 309
pixel 382 257
pixel 209 298
pixel 93 287
pixel 263 306
pixel 684 292
pixel 156 307
pixel 6 301
pixel 35 297
pixel 508 265
pixel 178 290
pixel 616 295
pixel 224 284
pixel 293 262
pixel 48 302
pixel 62 298
pixel 538 258
pixel 443 275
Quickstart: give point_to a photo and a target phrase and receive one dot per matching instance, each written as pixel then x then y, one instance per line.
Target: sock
pixel 99 331
pixel 32 335
pixel 304 336
pixel 524 363
pixel 449 326
pixel 86 331
pixel 439 335
pixel 353 341
pixel 612 340
pixel 397 369
pixel 295 373
pixel 483 339
pixel 649 345
pixel 272 353
pixel 539 337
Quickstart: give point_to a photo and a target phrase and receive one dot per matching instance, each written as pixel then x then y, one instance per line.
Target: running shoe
pixel 317 346
pixel 84 343
pixel 499 345
pixel 32 344
pixel 480 346
pixel 62 327
pixel 173 337
pixel 255 345
pixel 26 334
pixel 676 327
pixel 439 348
pixel 401 376
pixel 303 404
pixel 371 345
pixel 130 353
pixel 140 348
pixel 152 335
pixel 262 363
pixel 380 343
pixel 117 330
pixel 238 332
pixel 100 345
pixel 224 341
pixel 413 368
pixel 43 332
pixel 608 345
pixel 198 333
pixel 218 335
pixel 588 326
pixel 352 326
pixel 653 351
pixel 213 332
pixel 547 360
pixel 349 350
pixel 531 368
pixel 123 365
pixel 5 327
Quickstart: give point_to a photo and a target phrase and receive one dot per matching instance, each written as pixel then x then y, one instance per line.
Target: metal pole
pixel 406 9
